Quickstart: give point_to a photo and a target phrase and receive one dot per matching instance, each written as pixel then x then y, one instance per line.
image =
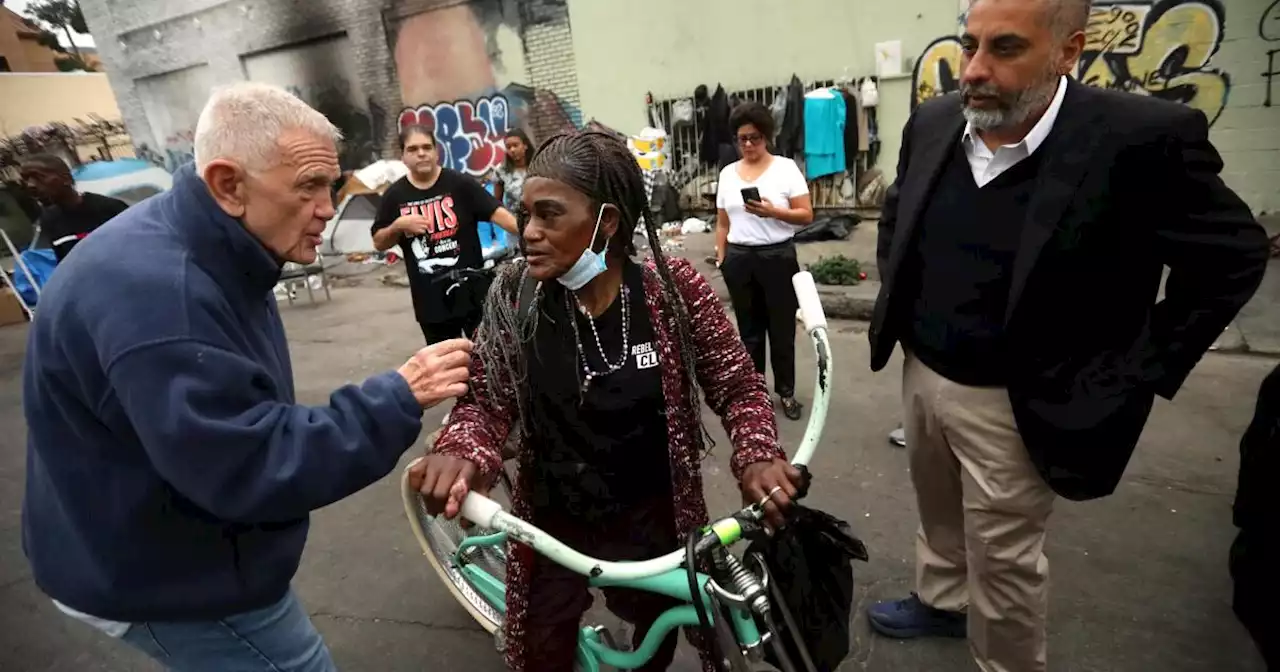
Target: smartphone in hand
pixel 751 194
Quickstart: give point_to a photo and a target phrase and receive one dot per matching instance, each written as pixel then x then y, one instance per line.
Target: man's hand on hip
pixel 438 372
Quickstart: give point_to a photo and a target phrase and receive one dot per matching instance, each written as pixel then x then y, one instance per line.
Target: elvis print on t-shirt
pixel 438 247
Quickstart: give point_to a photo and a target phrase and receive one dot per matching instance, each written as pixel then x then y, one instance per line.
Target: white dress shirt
pixel 987 165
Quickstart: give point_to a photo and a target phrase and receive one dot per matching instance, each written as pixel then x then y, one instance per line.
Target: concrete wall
pixel 1248 132
pixel 367 64
pixel 1212 54
pixel 36 99
pixel 1219 56
pixel 672 46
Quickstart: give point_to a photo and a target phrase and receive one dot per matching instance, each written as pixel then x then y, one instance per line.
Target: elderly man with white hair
pixel 170 470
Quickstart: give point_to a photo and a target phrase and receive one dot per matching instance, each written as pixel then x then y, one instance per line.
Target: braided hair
pixel 600 166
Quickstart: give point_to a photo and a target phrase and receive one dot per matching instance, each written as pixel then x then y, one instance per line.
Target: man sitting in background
pixel 68 215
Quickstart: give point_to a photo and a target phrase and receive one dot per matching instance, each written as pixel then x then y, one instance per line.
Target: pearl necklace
pixel 588 374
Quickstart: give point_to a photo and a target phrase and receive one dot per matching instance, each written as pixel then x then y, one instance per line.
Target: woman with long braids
pixel 598 364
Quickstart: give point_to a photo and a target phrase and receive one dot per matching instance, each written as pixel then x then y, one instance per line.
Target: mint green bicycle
pixel 735 599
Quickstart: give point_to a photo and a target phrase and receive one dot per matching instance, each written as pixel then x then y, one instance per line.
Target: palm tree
pixel 63 14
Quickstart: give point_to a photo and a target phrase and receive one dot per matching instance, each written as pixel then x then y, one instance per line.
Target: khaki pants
pixel 983 509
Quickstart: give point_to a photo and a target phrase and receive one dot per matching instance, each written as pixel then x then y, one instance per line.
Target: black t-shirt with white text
pixel 453 206
pixel 602 448
pixel 63 227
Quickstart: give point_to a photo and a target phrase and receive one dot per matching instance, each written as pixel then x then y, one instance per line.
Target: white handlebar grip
pixel 810 304
pixel 480 509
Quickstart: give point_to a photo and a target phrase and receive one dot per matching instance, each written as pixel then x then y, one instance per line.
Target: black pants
pixel 559 597
pixel 1254 560
pixel 435 332
pixel 759 280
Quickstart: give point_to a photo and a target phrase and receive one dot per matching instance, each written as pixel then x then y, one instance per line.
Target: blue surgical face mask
pixel 589 265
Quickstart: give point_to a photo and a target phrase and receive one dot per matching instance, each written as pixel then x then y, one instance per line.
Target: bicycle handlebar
pixel 487 513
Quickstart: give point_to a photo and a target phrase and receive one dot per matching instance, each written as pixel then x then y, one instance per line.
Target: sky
pixel 20 6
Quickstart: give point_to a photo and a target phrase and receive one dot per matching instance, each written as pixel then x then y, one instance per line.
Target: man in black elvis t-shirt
pixel 432 214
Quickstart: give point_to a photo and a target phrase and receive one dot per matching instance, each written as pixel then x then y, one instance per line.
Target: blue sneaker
pixel 909 618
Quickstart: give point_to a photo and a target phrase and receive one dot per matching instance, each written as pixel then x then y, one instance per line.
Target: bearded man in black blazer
pixel 1021 251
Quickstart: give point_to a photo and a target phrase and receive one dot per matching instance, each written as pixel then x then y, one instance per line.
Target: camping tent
pixel 130 180
pixel 348 231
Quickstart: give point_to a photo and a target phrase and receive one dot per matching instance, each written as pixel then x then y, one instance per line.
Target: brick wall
pixel 549 57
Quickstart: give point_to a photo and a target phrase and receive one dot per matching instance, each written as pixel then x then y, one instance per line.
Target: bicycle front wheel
pixel 440 539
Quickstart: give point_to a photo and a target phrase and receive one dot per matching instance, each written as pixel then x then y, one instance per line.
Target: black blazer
pixel 1128 184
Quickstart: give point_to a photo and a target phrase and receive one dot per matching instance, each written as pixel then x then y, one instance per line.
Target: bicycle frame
pixel 591 650
pixel 666 575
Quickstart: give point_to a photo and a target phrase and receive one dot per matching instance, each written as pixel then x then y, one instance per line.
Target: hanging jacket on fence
pixel 716 132
pixel 852 130
pixel 790 141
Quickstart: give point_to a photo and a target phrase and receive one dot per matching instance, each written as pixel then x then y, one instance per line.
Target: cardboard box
pixel 11 311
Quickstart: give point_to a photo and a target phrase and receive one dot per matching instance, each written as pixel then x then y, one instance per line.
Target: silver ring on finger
pixel 773 492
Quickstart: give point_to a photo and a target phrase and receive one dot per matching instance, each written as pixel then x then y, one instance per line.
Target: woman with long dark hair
pixel 510 176
pixel 761 202
pixel 599 365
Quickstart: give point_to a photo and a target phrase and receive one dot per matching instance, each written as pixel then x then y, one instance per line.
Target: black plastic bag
pixel 828 228
pixel 811 562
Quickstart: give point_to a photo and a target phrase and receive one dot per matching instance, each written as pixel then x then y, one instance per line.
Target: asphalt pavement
pixel 1139 578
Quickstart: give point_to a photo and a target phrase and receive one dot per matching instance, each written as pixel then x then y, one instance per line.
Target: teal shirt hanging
pixel 824 122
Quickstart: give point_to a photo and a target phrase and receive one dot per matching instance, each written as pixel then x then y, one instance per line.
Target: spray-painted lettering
pixel 176 152
pixel 1159 48
pixel 1269 24
pixel 470 135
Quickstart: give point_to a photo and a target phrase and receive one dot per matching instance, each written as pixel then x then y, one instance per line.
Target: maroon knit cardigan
pixel 479 424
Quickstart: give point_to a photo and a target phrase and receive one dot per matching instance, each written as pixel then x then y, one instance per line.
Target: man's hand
pixel 443 482
pixel 762 209
pixel 411 225
pixel 777 477
pixel 438 372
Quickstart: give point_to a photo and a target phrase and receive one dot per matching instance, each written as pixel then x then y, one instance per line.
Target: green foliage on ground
pixel 837 270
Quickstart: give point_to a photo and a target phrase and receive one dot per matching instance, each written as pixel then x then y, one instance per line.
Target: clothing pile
pixel 827 130
pixel 652 151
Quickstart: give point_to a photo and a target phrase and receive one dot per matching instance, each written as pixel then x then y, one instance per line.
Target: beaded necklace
pixel 610 367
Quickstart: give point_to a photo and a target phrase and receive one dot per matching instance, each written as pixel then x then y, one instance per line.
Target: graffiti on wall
pixel 176 151
pixel 1160 48
pixel 1269 30
pixel 470 134
pixel 459 66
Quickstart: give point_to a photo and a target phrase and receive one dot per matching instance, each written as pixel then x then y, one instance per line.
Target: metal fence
pixel 696 182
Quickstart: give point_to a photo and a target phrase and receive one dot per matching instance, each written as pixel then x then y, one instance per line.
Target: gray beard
pixel 1027 102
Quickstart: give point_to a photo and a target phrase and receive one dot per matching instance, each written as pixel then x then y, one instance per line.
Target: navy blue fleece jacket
pixel 170 471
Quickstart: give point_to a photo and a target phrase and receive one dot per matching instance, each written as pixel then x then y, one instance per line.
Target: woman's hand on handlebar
pixel 443 481
pixel 775 483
